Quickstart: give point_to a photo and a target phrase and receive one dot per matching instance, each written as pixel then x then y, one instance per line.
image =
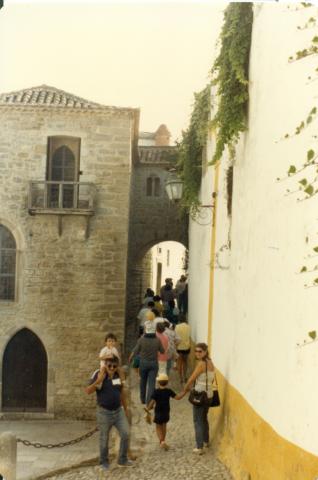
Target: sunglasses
pixel 111 365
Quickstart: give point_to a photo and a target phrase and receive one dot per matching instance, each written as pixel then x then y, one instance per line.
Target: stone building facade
pixel 65 174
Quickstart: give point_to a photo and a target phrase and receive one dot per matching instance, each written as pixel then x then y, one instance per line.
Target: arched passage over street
pixel 153 219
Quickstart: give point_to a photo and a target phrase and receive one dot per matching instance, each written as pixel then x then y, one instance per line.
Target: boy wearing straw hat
pixel 160 399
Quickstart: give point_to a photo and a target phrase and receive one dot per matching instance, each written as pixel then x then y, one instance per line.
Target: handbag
pixel 199 398
pixel 215 400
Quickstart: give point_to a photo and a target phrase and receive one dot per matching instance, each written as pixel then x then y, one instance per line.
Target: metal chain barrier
pixel 27 443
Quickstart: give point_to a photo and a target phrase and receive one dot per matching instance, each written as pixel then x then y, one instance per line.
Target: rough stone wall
pixel 71 290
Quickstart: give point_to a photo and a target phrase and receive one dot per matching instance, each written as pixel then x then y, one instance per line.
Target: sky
pixel 152 55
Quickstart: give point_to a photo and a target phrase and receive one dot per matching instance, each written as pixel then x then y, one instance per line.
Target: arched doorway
pixel 24 373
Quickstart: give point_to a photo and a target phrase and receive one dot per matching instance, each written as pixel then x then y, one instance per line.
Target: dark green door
pixel 24 374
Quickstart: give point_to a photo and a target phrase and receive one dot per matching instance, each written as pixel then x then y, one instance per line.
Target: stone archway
pixel 153 219
pixel 24 373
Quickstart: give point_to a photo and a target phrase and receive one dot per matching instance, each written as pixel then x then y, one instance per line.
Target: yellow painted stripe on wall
pixel 250 447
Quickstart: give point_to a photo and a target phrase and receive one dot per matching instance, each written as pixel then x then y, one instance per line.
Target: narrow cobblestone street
pixel 152 462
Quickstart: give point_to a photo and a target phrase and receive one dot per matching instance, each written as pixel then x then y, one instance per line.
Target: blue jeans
pixel 201 425
pixel 106 419
pixel 148 370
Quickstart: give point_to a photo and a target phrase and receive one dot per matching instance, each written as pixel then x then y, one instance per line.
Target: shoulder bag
pixel 215 400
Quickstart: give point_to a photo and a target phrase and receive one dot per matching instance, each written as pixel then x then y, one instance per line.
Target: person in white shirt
pixel 142 315
pixel 109 350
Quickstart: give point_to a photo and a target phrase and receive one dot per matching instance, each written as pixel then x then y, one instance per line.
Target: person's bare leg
pixel 160 433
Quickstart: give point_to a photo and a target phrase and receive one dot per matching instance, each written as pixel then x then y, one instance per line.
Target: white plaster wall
pixel 172 270
pixel 261 308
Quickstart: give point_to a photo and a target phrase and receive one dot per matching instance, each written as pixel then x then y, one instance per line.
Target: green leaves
pixel 190 148
pixel 303 182
pixel 304 269
pixel 292 170
pixel 313 334
pixel 230 72
pixel 315 249
pixel 309 190
pixel 310 155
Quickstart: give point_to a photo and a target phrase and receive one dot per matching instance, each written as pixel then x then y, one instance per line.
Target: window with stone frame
pixel 63 168
pixel 153 186
pixel 8 252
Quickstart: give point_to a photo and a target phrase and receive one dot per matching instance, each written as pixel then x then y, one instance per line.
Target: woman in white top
pixel 202 377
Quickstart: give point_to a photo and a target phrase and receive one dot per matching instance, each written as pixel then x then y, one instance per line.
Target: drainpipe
pixel 212 254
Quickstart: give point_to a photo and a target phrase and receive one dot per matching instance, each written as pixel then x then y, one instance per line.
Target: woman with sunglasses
pixel 202 377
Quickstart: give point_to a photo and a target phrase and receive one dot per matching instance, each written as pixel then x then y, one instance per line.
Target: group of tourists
pixel 163 344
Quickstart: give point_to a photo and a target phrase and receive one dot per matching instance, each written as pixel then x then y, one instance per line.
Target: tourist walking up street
pixel 183 347
pixel 111 411
pixel 162 357
pixel 147 349
pixel 201 379
pixel 173 339
pixel 166 292
pixel 142 315
pixel 179 290
pixel 149 296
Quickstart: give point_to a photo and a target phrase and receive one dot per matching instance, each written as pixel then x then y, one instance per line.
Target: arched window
pixel 7 264
pixel 63 166
pixel 153 186
pixel 157 186
pixel 149 187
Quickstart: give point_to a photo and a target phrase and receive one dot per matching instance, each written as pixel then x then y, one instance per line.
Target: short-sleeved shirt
pixel 106 351
pixel 162 398
pixel 109 395
pixel 148 347
pixel 183 331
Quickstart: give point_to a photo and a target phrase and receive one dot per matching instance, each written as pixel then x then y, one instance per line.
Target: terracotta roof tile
pixel 45 95
pixel 162 155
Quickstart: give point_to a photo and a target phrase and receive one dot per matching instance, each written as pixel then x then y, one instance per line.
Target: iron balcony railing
pixel 61 197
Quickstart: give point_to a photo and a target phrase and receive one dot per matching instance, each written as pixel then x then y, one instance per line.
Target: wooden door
pixel 24 374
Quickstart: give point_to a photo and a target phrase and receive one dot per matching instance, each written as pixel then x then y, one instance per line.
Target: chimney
pixel 162 136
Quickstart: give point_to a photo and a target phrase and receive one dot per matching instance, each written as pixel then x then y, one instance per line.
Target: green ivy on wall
pixel 230 75
pixel 191 148
pixel 230 72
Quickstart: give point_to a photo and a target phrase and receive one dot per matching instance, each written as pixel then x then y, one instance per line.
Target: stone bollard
pixel 8 456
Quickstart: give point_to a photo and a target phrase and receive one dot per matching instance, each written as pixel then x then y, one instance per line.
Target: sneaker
pixel 164 446
pixel 198 451
pixel 104 466
pixel 127 463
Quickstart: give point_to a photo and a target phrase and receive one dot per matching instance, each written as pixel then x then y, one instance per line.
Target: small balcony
pixel 61 198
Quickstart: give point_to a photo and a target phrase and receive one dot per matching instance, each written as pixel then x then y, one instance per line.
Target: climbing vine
pixel 230 75
pixel 306 173
pixel 191 148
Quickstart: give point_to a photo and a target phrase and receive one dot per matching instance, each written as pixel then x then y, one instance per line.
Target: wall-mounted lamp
pixel 174 188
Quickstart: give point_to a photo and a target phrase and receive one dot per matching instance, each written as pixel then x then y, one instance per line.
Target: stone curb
pixel 85 463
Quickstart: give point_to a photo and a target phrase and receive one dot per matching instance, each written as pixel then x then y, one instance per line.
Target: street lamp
pixel 174 186
pixel 174 189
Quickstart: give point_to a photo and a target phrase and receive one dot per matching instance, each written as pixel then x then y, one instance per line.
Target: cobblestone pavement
pixel 152 462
